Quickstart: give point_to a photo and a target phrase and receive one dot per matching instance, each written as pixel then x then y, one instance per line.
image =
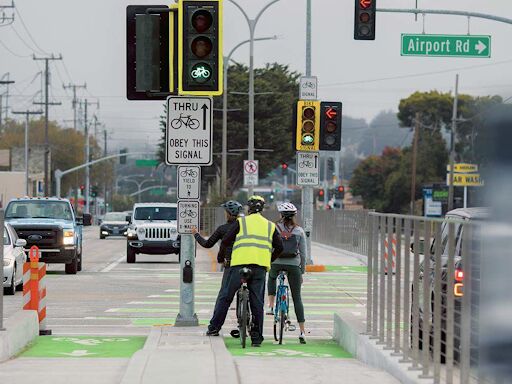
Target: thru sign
pixel 308 168
pixel 189 130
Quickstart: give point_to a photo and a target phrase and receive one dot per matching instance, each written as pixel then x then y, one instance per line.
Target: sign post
pixel 189 137
pixel 446 45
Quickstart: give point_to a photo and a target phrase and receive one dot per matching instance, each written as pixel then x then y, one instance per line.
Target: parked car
pixel 153 230
pixel 458 217
pixel 49 223
pixel 113 224
pixel 14 257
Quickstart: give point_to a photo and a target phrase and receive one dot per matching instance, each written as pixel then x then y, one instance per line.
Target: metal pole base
pixel 45 332
pixel 182 321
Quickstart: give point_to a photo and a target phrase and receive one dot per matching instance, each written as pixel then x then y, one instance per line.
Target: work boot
pixel 212 332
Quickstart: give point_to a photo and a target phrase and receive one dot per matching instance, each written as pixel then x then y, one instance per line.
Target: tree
pixel 274 125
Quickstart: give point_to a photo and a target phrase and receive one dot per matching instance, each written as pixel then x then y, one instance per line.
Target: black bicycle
pixel 243 310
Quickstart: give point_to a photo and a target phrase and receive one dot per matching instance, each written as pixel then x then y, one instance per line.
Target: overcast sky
pixel 90 35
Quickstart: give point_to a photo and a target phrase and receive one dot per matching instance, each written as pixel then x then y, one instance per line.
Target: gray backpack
pixel 290 242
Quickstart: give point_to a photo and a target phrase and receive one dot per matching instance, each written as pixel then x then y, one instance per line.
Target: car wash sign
pixel 189 131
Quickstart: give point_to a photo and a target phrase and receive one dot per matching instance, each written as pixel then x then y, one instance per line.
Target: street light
pixel 224 168
pixel 252 27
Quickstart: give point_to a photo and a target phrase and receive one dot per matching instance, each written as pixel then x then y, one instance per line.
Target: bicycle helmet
pixel 232 207
pixel 287 209
pixel 255 204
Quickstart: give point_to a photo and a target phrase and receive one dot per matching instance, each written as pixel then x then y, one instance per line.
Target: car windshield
pixel 6 237
pixel 39 209
pixel 155 213
pixel 114 216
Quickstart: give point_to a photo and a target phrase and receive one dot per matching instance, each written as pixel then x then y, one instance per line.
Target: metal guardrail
pixel 423 301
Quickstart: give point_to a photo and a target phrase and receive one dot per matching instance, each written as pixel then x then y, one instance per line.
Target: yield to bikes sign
pixel 308 168
pixel 189 130
pixel 189 182
pixel 188 216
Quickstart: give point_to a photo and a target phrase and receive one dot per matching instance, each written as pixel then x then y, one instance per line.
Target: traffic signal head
pixel 308 122
pixel 320 195
pixel 364 22
pixel 122 159
pixel 284 168
pixel 340 192
pixel 200 47
pixel 330 126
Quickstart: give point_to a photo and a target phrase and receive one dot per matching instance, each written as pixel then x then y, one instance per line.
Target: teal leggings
pixel 294 279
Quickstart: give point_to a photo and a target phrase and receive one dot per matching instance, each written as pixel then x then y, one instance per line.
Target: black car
pixel 114 224
pixel 458 217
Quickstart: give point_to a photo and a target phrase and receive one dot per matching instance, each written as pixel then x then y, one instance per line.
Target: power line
pixel 11 51
pixel 29 34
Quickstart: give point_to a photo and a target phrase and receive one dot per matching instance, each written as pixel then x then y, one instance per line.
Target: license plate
pixel 116 231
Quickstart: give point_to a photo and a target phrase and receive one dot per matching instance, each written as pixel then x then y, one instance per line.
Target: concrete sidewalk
pixel 327 255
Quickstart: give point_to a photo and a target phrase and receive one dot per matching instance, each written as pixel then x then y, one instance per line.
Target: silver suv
pixel 153 230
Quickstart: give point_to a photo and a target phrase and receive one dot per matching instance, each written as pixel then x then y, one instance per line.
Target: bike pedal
pixel 292 328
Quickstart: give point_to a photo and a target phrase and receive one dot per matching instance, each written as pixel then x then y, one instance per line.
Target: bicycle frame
pixel 282 297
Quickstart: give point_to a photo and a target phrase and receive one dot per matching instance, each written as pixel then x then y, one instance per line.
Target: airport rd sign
pixel 446 45
pixel 308 168
pixel 189 182
pixel 188 216
pixel 189 132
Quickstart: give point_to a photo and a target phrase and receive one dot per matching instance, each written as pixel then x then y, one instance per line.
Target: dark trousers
pixel 223 287
pixel 295 282
pixel 256 286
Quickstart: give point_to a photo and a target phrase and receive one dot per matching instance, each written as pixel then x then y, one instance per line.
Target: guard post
pixel 34 288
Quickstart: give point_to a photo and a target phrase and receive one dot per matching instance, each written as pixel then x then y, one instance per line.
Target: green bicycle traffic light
pixel 200 47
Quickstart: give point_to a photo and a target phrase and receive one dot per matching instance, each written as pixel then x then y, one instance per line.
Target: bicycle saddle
pixel 245 273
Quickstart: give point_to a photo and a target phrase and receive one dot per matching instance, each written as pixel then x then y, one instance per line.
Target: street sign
pixel 146 163
pixel 446 45
pixel 251 172
pixel 188 216
pixel 463 168
pixel 308 171
pixel 308 88
pixel 465 180
pixel 189 132
pixel 189 182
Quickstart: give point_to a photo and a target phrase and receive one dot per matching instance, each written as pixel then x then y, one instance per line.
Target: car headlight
pixel 8 262
pixel 69 237
pixel 173 230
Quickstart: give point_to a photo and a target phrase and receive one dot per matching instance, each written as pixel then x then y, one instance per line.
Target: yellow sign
pixel 465 180
pixel 308 126
pixel 463 168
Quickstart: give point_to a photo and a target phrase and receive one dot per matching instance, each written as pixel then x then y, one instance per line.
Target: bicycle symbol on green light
pixel 200 72
pixel 185 120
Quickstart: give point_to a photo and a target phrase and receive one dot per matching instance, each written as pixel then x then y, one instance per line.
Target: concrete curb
pixel 21 329
pixel 362 258
pixel 348 332
pixel 138 362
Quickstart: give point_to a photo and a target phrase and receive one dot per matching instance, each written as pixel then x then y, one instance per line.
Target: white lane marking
pixel 111 266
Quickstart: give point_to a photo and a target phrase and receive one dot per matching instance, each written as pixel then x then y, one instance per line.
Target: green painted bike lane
pixel 85 346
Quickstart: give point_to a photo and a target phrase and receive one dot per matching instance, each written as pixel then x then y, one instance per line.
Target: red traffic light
pixel 321 192
pixel 331 113
pixel 82 187
pixel 365 3
pixel 284 166
pixel 340 188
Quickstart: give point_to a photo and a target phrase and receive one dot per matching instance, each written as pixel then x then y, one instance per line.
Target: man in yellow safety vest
pixel 256 245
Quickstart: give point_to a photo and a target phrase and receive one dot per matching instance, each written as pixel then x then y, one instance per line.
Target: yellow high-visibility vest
pixel 253 244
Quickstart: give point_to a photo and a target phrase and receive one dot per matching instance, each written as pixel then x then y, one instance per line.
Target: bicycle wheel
pixel 244 316
pixel 176 123
pixel 193 124
pixel 276 317
pixel 282 320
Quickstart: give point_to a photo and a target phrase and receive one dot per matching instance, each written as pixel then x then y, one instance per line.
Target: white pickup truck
pixel 153 230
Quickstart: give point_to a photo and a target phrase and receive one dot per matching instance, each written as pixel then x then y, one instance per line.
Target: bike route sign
pixel 446 45
pixel 189 182
pixel 189 133
pixel 308 88
pixel 188 216
pixel 308 172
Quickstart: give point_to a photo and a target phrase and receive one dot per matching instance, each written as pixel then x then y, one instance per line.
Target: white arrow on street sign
pixel 189 182
pixel 78 353
pixel 480 47
pixel 189 132
pixel 308 168
pixel 188 216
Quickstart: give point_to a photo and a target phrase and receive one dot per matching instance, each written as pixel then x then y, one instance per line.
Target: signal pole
pixel 27 114
pixel 452 142
pixel 74 87
pixel 46 105
pixel 87 155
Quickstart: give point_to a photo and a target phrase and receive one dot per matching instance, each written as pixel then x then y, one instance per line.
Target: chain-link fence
pixel 424 293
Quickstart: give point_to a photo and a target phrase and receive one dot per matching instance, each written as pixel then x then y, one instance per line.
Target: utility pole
pixel 452 142
pixel 46 105
pixel 27 114
pixel 74 87
pixel 414 157
pixel 87 155
pixel 5 82
pixel 105 168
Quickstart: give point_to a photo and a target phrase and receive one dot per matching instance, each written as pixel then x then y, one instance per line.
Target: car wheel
pixel 130 254
pixel 11 290
pixel 72 267
pixel 102 237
